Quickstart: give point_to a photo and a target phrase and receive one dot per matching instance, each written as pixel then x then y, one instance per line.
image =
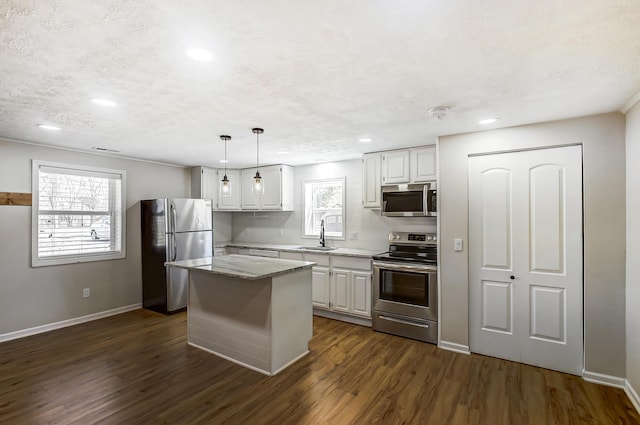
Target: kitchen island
pixel 253 311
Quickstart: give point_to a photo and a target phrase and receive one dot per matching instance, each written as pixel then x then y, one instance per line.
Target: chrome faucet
pixel 322 241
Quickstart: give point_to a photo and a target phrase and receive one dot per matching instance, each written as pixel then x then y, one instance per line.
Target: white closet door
pixel 525 257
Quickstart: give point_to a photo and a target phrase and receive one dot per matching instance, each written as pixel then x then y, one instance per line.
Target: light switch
pixel 457 244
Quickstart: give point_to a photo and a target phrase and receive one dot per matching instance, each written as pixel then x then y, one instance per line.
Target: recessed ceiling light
pixel 366 140
pixel 201 55
pixel 103 102
pixel 488 120
pixel 224 161
pixel 49 127
pixel 283 152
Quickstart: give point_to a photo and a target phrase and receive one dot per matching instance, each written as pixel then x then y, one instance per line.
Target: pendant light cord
pixel 257 150
pixel 225 157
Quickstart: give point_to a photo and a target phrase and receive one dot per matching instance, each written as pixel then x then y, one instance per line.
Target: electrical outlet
pixel 86 293
pixel 353 236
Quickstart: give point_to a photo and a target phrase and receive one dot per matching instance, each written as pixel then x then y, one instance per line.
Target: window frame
pixel 343 181
pixel 37 261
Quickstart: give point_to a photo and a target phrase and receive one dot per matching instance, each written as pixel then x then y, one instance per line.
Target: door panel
pixel 525 257
pixel 547 219
pixel 497 312
pixel 496 219
pixel 341 283
pixel 320 287
pixel 548 313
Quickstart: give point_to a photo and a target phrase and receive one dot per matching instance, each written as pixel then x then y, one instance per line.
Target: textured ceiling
pixel 317 76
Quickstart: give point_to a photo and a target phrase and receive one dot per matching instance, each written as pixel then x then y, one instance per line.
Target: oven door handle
pixel 404 322
pixel 405 267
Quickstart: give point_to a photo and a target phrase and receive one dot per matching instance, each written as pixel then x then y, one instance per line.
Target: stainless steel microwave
pixel 410 200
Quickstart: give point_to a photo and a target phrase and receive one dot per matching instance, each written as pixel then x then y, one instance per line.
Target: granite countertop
pixel 349 252
pixel 242 266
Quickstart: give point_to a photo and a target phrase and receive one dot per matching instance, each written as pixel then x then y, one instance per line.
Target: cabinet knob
pixel 512 277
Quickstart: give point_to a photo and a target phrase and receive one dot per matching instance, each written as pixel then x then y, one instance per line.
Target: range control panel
pixel 412 238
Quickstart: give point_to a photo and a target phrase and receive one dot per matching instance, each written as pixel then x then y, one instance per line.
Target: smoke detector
pixel 439 112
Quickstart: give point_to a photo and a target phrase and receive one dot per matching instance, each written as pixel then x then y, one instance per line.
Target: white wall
pixel 633 246
pixel 286 227
pixel 603 140
pixel 31 297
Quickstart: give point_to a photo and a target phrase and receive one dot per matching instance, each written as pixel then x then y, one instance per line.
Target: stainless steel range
pixel 405 287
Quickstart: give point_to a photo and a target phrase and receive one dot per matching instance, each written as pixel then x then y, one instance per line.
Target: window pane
pixel 73 234
pixel 78 214
pixel 323 201
pixel 73 193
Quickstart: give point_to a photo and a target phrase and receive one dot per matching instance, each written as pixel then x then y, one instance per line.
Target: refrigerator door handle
pixel 173 232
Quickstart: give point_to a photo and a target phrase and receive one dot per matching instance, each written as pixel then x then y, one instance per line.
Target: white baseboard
pixel 342 317
pixel 65 323
pixel 452 346
pixel 599 378
pixel 632 394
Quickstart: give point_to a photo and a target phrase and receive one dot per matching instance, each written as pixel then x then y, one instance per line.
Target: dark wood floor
pixel 136 368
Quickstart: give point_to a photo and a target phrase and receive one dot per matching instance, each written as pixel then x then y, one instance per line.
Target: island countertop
pixel 242 266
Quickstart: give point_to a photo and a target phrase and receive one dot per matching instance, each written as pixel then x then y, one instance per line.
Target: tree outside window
pixel 324 200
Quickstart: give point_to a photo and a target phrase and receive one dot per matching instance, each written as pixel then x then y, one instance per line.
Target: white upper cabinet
pixel 231 202
pixel 371 168
pixel 423 164
pixel 278 188
pixel 416 165
pixel 395 167
pixel 204 184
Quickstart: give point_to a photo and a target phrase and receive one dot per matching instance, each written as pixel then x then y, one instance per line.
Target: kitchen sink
pixel 317 248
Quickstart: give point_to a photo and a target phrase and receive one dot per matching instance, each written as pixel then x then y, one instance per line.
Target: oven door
pixel 406 289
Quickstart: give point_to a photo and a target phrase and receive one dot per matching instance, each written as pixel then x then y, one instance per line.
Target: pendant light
pixel 225 189
pixel 258 184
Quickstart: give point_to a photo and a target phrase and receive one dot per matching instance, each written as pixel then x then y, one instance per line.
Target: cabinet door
pixel 340 288
pixel 271 199
pixel 395 167
pixel 361 293
pixel 423 164
pixel 320 287
pixel 231 202
pixel 249 199
pixel 204 184
pixel 210 184
pixel 371 169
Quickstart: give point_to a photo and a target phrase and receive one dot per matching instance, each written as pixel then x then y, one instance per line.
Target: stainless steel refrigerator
pixel 172 229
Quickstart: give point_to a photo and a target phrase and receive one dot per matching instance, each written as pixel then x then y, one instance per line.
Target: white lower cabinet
pixel 341 284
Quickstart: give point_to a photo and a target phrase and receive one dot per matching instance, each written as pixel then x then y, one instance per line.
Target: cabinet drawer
pixel 264 253
pixel 351 262
pixel 322 260
pixel 291 255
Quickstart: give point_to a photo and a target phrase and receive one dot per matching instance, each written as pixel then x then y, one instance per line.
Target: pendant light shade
pixel 225 188
pixel 258 184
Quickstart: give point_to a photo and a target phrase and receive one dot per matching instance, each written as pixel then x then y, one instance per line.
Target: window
pixel 324 200
pixel 78 214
